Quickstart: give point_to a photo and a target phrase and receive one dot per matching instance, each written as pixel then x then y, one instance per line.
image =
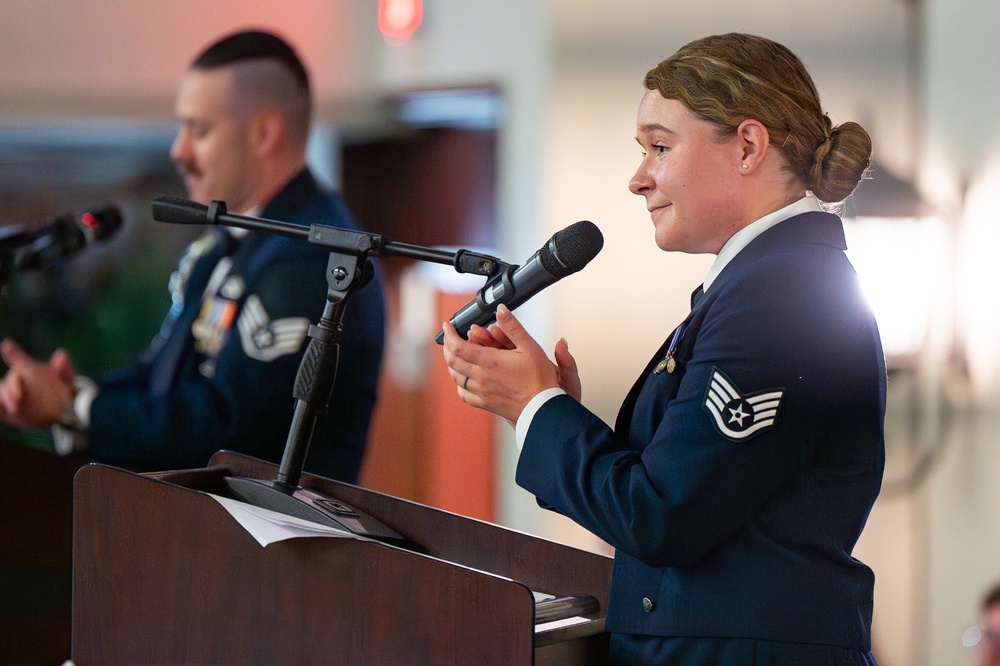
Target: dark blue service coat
pixel 223 376
pixel 735 487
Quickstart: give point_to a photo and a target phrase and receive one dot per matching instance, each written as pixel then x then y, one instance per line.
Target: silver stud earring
pixel 744 166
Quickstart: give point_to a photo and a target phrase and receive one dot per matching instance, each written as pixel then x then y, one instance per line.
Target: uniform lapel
pixel 623 422
pixel 168 358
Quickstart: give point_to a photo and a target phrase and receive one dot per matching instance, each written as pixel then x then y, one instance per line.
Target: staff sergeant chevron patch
pixel 736 416
pixel 265 339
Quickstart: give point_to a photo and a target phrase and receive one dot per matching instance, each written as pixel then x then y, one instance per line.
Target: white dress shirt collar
pixel 742 238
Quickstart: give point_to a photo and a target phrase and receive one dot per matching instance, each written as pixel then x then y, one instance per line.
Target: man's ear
pixel 753 141
pixel 268 131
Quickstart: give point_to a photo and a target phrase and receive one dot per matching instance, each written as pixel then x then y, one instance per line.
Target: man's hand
pixel 34 394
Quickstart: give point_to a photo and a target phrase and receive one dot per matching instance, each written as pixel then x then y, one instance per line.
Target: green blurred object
pixel 104 308
pixel 36 439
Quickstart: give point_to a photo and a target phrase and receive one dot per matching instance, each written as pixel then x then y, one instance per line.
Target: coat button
pixel 647 605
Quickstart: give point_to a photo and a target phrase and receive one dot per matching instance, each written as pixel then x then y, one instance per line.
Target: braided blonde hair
pixel 727 79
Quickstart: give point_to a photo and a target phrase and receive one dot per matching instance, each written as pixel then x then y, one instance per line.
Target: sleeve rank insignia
pixel 265 339
pixel 736 416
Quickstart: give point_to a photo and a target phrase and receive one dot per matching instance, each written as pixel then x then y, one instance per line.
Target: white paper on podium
pixel 556 624
pixel 268 526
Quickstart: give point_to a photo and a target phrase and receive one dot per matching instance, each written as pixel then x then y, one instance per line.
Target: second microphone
pixel 565 253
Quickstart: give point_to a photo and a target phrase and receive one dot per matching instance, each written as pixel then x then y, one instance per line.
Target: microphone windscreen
pixel 102 222
pixel 572 248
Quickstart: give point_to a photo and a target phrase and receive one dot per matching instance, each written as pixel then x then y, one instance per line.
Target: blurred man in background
pixel 220 374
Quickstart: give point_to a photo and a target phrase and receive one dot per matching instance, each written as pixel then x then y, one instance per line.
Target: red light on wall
pixel 399 19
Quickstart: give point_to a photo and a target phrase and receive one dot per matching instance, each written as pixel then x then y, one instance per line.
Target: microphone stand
pixel 348 269
pixel 312 392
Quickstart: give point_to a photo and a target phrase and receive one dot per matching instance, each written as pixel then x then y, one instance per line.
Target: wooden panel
pixel 432 187
pixel 35 555
pixel 429 187
pixel 459 450
pixel 542 565
pixel 164 575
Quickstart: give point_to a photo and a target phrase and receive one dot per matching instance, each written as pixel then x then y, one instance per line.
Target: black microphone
pixel 64 237
pixel 565 253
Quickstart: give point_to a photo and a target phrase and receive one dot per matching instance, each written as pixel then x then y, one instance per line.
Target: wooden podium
pixel 35 554
pixel 163 574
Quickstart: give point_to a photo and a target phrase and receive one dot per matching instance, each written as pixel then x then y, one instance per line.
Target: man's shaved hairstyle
pixel 253 45
pixel 246 51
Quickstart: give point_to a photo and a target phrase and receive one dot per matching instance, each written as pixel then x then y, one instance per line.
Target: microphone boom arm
pixel 345 241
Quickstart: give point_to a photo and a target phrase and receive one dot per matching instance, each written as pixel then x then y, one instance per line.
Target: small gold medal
pixel 668 363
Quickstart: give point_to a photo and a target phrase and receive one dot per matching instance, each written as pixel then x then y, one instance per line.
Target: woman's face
pixel 689 178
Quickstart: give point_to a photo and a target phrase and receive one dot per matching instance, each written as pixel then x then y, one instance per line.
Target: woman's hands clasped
pixel 501 368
